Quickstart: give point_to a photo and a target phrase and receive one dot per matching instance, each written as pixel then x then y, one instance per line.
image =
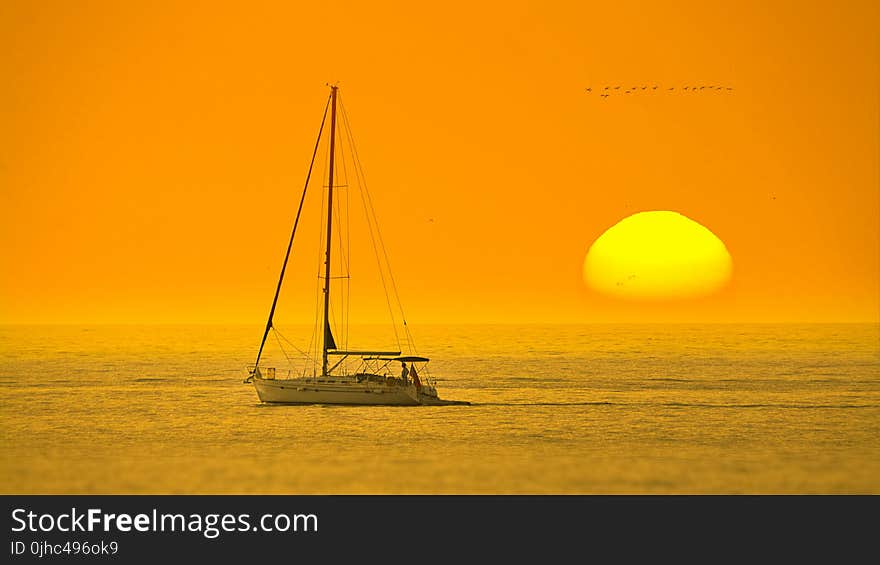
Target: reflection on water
pixel 556 409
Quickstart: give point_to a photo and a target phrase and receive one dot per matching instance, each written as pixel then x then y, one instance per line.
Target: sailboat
pixel 352 376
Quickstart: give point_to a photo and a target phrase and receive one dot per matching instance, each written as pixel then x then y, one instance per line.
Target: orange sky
pixel 151 154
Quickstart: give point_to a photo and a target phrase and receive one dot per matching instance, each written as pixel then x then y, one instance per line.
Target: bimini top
pixel 408 359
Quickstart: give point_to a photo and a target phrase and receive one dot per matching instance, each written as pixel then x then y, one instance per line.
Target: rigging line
pixel 292 234
pixel 362 184
pixel 293 345
pixel 372 223
pixel 300 351
pixel 348 243
pixel 346 287
pixel 366 190
pixel 309 348
pixel 343 256
pixel 281 347
pixel 376 220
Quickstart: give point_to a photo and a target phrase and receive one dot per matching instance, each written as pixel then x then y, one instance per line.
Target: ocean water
pixel 556 409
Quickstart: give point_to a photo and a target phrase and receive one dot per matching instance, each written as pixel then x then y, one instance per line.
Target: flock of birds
pixel 613 90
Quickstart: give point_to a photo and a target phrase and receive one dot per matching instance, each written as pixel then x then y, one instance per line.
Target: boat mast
pixel 328 336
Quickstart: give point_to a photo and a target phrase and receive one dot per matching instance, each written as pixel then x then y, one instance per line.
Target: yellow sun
pixel 657 255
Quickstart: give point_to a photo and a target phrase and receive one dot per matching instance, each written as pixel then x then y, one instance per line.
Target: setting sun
pixel 657 255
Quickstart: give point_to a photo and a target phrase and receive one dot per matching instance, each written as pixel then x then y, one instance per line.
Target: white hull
pixel 344 390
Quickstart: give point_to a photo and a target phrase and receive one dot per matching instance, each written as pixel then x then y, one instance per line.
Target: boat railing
pixel 262 372
pixel 270 373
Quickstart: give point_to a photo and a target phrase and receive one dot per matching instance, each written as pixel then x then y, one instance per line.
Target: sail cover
pixel 329 342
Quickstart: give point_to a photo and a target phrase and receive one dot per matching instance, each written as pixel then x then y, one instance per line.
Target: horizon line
pixel 460 323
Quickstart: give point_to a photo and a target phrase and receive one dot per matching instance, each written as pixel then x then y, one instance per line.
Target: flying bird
pixel 608 90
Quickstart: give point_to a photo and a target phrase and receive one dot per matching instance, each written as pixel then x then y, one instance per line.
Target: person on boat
pixel 415 376
pixel 403 372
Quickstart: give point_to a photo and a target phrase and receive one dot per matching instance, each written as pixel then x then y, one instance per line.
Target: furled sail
pixel 329 342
